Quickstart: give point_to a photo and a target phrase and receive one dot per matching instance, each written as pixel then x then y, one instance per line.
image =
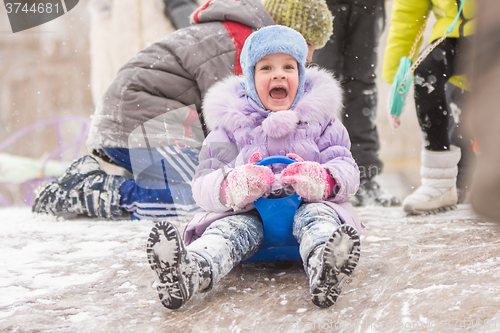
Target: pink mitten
pixel 309 179
pixel 246 183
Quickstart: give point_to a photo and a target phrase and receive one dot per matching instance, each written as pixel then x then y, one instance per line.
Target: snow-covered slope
pixel 92 276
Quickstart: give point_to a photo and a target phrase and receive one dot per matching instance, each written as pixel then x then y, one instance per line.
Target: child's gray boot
pixel 330 264
pixel 181 274
pixel 84 189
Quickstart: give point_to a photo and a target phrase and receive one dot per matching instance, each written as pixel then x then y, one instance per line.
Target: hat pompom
pixel 311 18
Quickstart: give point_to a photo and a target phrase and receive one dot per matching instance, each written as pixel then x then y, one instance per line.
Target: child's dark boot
pixel 329 265
pixel 84 189
pixel 181 274
pixel 371 194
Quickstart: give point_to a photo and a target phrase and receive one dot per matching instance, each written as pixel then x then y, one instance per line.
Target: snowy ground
pixel 439 271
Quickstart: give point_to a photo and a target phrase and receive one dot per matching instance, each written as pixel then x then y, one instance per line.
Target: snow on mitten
pixel 246 183
pixel 309 179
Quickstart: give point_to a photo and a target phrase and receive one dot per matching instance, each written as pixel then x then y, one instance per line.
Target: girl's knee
pixel 310 214
pixel 311 211
pixel 237 225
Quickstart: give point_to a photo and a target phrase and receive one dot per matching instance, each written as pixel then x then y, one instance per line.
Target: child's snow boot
pixel 181 274
pixel 371 194
pixel 329 265
pixel 84 189
pixel 439 176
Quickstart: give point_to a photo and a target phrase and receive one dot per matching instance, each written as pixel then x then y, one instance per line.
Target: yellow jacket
pixel 407 18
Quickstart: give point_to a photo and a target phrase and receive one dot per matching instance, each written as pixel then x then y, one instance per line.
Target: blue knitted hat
pixel 269 40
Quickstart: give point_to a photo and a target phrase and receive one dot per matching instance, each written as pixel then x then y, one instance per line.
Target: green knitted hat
pixel 311 18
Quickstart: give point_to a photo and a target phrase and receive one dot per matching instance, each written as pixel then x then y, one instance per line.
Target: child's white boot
pixel 329 265
pixel 439 177
pixel 181 274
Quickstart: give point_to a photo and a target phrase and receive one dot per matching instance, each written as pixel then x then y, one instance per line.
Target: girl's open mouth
pixel 278 93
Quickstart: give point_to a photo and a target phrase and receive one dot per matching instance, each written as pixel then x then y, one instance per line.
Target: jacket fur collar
pixel 227 106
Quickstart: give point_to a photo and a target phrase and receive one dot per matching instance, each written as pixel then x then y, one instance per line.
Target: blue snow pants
pixel 161 187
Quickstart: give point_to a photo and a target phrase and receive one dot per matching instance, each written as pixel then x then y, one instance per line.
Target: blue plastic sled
pixel 277 215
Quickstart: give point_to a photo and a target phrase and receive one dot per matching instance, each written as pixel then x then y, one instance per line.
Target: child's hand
pixel 394 121
pixel 309 179
pixel 246 183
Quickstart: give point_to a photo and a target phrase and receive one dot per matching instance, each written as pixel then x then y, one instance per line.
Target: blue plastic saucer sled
pixel 277 215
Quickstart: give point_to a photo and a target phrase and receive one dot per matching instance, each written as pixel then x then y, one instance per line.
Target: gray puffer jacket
pixel 176 71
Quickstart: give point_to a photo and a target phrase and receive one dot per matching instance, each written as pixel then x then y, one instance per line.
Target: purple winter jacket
pixel 239 127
